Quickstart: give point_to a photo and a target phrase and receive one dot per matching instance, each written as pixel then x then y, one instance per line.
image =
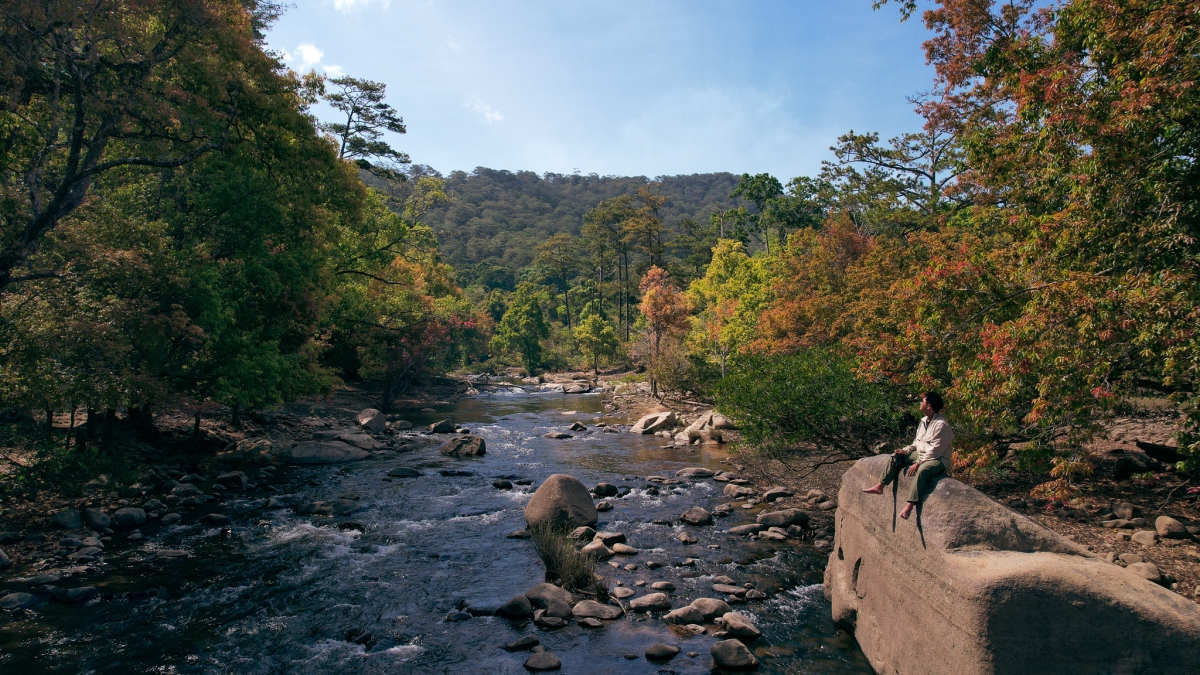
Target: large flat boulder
pixel 969 586
pixel 325 452
pixel 654 422
pixel 464 446
pixel 561 501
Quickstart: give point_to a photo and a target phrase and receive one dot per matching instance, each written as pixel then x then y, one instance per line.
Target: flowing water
pixel 371 592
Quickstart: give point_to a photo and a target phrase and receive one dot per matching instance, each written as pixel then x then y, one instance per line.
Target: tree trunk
pixel 237 415
pixel 81 436
pixel 196 425
pixel 110 421
pixel 93 421
pixel 70 428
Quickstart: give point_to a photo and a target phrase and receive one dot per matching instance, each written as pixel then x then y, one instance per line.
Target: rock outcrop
pixel 372 420
pixel 654 422
pixel 969 586
pixel 563 501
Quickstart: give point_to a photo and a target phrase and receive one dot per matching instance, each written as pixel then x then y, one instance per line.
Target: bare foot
pixel 907 511
pixel 877 490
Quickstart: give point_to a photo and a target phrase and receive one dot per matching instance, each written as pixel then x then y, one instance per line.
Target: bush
pixel 808 403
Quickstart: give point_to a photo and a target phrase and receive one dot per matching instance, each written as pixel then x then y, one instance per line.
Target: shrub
pixel 808 404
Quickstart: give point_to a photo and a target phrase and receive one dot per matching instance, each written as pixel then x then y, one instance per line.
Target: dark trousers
pixel 925 472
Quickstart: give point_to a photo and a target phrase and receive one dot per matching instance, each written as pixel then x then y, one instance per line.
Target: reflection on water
pixel 284 593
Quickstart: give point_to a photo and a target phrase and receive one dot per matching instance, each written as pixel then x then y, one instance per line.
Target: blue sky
pixel 654 87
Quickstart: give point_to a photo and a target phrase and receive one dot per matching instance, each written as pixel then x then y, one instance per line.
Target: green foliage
pixel 522 328
pixel 366 118
pixel 596 339
pixel 809 404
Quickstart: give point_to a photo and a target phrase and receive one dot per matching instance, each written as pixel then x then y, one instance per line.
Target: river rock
pixel 97 519
pixel 686 538
pixel 539 662
pixel 522 644
pixel 184 491
pixel 442 427
pixel 1145 537
pixel 216 519
pixel 776 493
pixel 605 490
pixel 622 592
pixel 18 601
pixel 561 501
pixel 583 533
pixel 728 589
pixel 404 472
pixel 557 435
pixel 372 420
pixel 737 491
pixel 154 508
pixel 652 602
pixel 684 616
pixel 557 609
pixel 1145 570
pixel 70 519
pixel 664 586
pixel 970 586
pixel 696 516
pixel 782 518
pixel 743 530
pixel 624 549
pixel 170 518
pixel 464 446
pixel 1132 462
pixel 604 505
pixel 733 655
pixel 4 560
pixel 739 626
pixel 359 440
pixel 610 538
pixel 541 595
pixel 653 423
pixel 128 516
pixel 661 652
pixel 598 550
pixel 323 452
pixel 695 472
pixel 1169 528
pixel 710 608
pixel 76 595
pixel 594 610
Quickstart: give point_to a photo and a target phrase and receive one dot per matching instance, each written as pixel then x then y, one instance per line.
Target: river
pixel 370 593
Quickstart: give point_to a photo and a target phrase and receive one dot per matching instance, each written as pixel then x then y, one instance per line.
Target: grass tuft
pixel 565 564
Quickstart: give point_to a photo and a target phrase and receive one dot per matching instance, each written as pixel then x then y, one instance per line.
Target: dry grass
pixel 565 564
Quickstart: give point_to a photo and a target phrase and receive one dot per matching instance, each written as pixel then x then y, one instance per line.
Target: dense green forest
pixel 497 218
pixel 181 230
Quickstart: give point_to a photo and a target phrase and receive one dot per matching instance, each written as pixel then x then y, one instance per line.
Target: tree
pixel 908 184
pixel 760 190
pixel 596 339
pixel 96 87
pixel 560 256
pixel 367 117
pixel 522 327
pixel 664 309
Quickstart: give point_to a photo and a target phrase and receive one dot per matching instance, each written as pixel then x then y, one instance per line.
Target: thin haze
pixel 620 87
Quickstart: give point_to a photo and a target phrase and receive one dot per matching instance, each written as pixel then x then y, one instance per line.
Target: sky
pixel 621 87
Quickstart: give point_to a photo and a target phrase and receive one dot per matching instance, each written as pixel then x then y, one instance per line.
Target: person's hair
pixel 934 400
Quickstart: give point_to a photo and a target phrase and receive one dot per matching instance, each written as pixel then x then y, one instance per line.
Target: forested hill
pixel 498 217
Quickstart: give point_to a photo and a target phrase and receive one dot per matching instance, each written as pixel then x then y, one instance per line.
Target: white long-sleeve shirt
pixel 934 435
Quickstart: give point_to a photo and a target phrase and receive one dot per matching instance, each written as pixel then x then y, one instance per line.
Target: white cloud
pixel 489 113
pixel 309 55
pixel 351 5
pixel 334 71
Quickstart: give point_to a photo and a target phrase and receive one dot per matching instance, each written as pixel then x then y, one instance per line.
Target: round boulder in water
pixel 561 501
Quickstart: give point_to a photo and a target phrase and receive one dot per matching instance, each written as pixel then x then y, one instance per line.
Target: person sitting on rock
pixel 928 456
